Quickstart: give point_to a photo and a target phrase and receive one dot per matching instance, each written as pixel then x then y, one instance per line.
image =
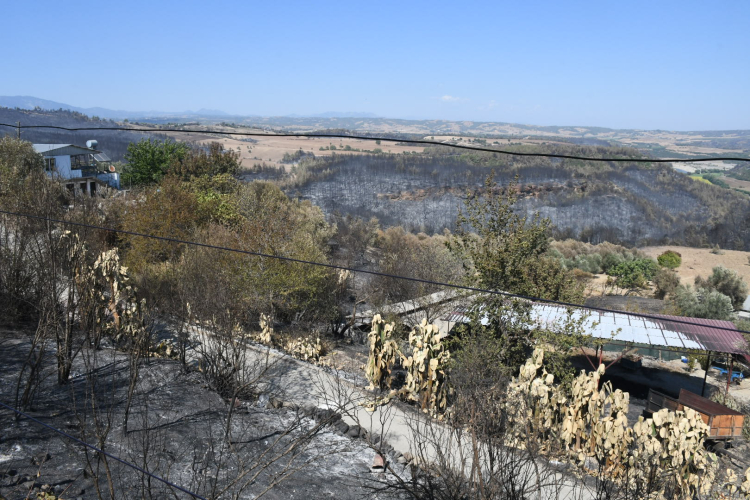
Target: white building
pixel 84 168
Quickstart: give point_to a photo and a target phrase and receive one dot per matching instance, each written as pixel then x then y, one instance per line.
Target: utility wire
pixel 113 457
pixel 389 139
pixel 364 271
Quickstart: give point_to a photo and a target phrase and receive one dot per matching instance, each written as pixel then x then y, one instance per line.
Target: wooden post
pixel 708 367
pixel 729 377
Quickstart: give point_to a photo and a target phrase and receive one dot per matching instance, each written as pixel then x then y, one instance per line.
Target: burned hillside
pixel 627 203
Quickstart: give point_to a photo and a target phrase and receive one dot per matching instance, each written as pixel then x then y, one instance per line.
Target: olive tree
pixel 505 252
pixel 727 282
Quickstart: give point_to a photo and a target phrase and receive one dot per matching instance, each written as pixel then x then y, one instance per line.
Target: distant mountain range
pixel 337 114
pixel 30 102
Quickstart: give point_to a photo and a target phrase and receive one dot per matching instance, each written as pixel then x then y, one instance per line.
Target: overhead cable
pixel 388 139
pixel 365 271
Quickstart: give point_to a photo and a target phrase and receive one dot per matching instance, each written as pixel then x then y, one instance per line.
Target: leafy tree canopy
pixel 635 273
pixel 703 303
pixel 670 259
pixel 199 163
pixel 150 159
pixel 504 251
pixel 727 282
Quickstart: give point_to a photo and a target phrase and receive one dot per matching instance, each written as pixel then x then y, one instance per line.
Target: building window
pixel 78 161
pixel 49 164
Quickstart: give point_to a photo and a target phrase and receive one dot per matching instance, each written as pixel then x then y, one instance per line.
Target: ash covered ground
pixel 176 429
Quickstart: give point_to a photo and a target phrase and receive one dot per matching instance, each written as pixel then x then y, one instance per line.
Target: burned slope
pixel 629 204
pixel 113 142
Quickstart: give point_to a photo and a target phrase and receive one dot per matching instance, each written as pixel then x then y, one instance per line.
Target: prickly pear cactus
pixel 384 353
pixel 537 405
pixel 674 442
pixel 117 295
pixel 427 378
pixel 266 327
pixel 105 293
pixel 305 348
pixel 589 425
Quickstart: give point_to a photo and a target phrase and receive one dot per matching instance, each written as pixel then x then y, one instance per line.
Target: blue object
pixel 735 374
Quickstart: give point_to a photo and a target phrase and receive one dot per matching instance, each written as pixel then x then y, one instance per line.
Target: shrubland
pixel 77 287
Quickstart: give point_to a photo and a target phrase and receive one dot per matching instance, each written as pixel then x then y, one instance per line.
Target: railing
pixel 89 171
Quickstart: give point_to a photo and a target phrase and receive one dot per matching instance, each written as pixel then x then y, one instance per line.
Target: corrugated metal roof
pixel 102 157
pixel 702 334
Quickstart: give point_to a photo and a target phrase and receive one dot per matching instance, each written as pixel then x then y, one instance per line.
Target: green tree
pixel 727 282
pixel 502 250
pixel 199 163
pixel 150 159
pixel 703 303
pixel 635 273
pixel 670 259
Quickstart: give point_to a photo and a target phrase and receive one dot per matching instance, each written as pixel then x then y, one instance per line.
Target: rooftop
pixel 46 148
pixel 659 330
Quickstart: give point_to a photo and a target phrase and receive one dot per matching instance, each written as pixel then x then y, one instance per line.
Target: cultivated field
pixel 272 149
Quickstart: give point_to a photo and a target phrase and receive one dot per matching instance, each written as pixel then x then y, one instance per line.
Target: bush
pixel 581 275
pixel 727 282
pixel 634 274
pixel 666 282
pixel 595 259
pixel 716 250
pixel 702 303
pixel 670 259
pixel 611 260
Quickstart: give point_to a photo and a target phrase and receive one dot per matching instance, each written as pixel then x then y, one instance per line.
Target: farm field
pixel 736 183
pixel 270 150
pixel 700 261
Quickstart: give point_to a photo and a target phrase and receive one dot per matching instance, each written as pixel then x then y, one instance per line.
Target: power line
pixel 364 271
pixel 98 450
pixel 389 139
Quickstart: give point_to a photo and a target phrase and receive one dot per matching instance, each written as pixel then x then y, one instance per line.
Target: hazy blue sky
pixel 675 65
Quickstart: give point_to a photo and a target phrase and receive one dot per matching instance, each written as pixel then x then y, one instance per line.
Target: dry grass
pixel 270 150
pixel 700 261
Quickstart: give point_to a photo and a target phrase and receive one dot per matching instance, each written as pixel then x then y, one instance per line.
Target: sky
pixel 682 65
